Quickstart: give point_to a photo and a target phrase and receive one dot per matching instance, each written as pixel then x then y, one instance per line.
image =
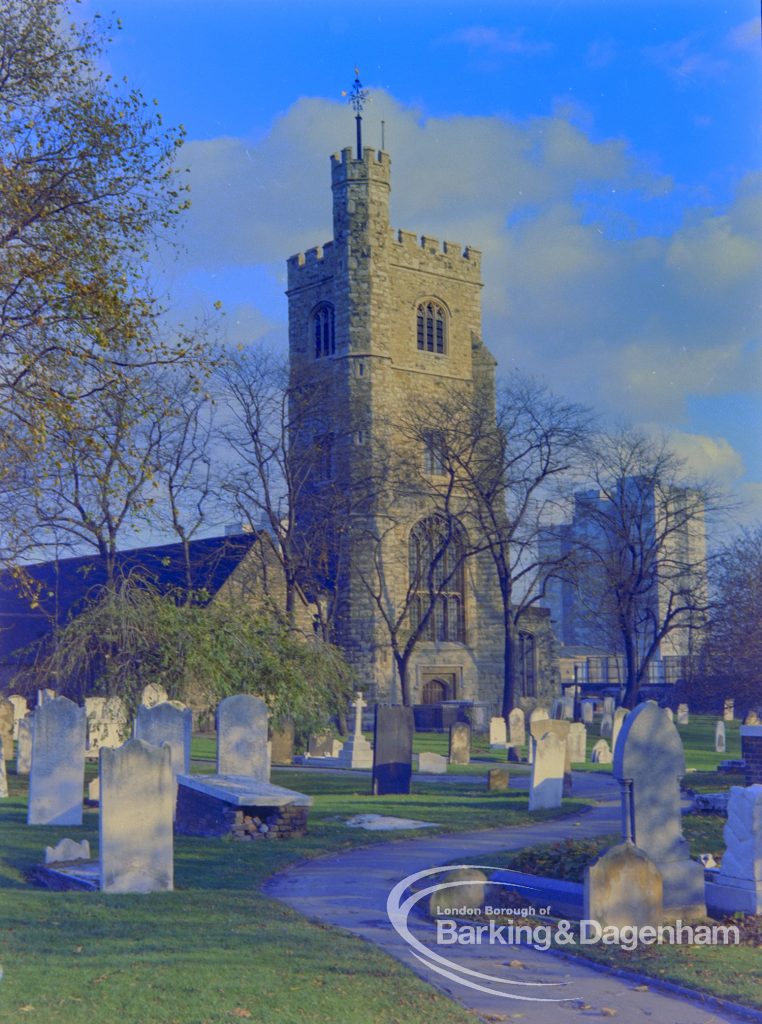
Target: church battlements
pixel 467 259
pixel 375 163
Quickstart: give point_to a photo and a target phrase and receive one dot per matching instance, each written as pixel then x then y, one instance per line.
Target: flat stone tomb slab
pixel 242 790
pixel 240 807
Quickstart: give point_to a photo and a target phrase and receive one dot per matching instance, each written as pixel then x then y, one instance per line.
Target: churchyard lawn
pixel 215 950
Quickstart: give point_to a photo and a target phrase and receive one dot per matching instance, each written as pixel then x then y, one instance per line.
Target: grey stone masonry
pixel 57 777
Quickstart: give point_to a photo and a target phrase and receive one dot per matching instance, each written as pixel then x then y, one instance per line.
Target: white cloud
pixel 745 36
pixel 707 456
pixel 495 42
pixel 684 59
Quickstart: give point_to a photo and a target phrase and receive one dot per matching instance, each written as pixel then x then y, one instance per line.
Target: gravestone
pixel 555 708
pixel 153 694
pixel 609 705
pixel 517 727
pixel 719 737
pixel 670 714
pixel 498 779
pixel 544 725
pixel 588 711
pixel 432 764
pixel 392 749
pixel 624 889
pixel 106 722
pixel 537 715
pixel 164 723
pixel 320 745
pixel 242 737
pixel 607 725
pixel 601 754
pixel 20 708
pixel 94 791
pixel 137 801
pixel 752 718
pixel 67 850
pixel 283 743
pixel 460 743
pixel 3 773
pixel 728 709
pixel 45 694
pixel 547 781
pixel 737 886
pixel 577 743
pixel 7 719
pixel 567 708
pixel 57 777
pixel 619 716
pixel 24 747
pixel 357 752
pixel 683 716
pixel 649 763
pixel 498 736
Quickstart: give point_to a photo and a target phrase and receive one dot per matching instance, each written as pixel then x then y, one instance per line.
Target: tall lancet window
pixel 323 330
pixel 431 327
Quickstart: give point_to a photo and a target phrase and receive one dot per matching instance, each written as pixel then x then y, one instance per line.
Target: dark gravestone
pixel 392 750
pixel 649 763
pixel 283 743
pixel 460 743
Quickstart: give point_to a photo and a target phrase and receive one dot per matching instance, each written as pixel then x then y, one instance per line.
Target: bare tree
pixel 638 544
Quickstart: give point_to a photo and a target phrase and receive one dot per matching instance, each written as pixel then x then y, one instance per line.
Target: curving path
pixel 349 890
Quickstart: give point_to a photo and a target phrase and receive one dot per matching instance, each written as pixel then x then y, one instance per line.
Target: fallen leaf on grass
pixel 240 1012
pixel 28 1008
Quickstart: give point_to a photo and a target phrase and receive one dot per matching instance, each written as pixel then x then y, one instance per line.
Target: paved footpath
pixel 349 890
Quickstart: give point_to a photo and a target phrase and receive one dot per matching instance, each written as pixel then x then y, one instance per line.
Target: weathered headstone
pixel 737 886
pixel 283 743
pixel 547 781
pixel 20 708
pixel 588 711
pixel 537 715
pixel 555 708
pixel 432 764
pixel 460 743
pixel 624 889
pixel 577 743
pixel 542 726
pixel 3 773
pixel 320 745
pixel 57 778
pixel 94 791
pixel 719 737
pixel 164 723
pixel 607 725
pixel 498 736
pixel 619 716
pixel 153 694
pixel 567 707
pixel 137 801
pixel 392 750
pixel 670 714
pixel 106 722
pixel 242 737
pixel 649 763
pixel 517 727
pixel 24 747
pixel 7 718
pixel 728 709
pixel 357 752
pixel 609 705
pixel 683 716
pixel 601 754
pixel 67 850
pixel 45 694
pixel 498 779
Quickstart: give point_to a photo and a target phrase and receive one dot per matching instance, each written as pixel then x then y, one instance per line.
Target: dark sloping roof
pixel 64 585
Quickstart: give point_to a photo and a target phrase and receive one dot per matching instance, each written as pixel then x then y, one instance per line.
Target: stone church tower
pixel 382 322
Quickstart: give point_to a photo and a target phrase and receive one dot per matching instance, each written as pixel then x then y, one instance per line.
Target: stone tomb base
pixel 239 807
pixel 80 875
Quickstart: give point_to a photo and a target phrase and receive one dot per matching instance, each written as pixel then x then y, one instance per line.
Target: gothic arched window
pixel 431 327
pixel 436 552
pixel 323 330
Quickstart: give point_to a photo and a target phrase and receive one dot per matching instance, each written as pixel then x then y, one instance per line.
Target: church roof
pixel 64 585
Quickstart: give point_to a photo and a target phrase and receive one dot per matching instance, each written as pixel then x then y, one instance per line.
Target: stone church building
pixel 381 323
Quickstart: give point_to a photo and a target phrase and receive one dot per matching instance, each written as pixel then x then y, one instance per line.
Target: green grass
pixel 216 950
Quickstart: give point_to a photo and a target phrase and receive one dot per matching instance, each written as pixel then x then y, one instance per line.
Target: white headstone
pixel 607 725
pixel 738 884
pixel 165 723
pixel 619 716
pixel 357 752
pixel 24 747
pixel 567 707
pixel 67 849
pixel 719 737
pixel 577 742
pixel 669 713
pixel 242 737
pixel 154 694
pixel 609 704
pixel 588 711
pixel 517 727
pixel 601 754
pixel 20 708
pixel 498 736
pixel 433 764
pixel 547 782
pixel 683 716
pixel 537 715
pixel 57 778
pixel 555 708
pixel 94 790
pixel 649 763
pixel 106 722
pixel 137 802
pixel 45 694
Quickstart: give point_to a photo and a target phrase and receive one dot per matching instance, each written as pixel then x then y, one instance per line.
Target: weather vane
pixel 358 97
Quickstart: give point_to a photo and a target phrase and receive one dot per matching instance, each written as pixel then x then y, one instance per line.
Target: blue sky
pixel 604 155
